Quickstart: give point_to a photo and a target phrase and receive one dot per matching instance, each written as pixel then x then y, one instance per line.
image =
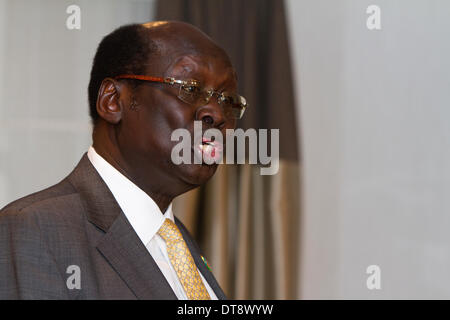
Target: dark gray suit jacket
pixel 78 222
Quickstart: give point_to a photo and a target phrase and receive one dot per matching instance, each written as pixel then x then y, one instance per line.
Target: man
pixel 107 231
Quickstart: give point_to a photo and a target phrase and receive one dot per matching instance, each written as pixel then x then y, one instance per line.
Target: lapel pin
pixel 206 263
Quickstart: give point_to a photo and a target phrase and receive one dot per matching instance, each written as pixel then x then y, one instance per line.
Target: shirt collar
pixel 141 211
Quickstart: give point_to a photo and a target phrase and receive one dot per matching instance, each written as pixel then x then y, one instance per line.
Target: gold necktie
pixel 182 261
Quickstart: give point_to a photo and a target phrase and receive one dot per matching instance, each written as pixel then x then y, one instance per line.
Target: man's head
pixel 134 119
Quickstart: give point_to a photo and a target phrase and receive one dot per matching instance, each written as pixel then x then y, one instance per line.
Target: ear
pixel 109 107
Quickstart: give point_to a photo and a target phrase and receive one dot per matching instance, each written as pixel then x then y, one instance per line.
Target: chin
pixel 196 174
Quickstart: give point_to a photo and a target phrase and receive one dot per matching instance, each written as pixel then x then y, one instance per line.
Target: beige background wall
pixel 374 115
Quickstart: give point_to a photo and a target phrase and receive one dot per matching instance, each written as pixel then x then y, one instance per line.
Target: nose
pixel 212 115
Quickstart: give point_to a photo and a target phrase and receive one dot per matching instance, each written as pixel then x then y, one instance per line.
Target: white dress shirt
pixel 145 217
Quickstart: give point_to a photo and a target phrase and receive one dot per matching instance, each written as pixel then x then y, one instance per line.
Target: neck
pixel 108 150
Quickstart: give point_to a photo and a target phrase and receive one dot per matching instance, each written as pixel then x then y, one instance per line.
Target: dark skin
pixel 135 125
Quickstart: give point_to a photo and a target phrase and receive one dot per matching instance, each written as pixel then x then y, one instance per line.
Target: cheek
pixel 158 120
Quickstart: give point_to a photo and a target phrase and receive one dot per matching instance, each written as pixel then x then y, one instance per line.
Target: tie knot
pixel 169 231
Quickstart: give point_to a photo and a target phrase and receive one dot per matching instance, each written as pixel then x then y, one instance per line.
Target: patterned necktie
pixel 182 261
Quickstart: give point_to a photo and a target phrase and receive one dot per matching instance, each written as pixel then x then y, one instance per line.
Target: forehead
pixel 210 70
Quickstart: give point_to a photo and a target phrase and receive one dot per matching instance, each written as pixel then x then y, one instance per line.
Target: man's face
pixel 145 131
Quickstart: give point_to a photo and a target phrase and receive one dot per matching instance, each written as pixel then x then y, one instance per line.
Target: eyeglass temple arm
pixel 168 80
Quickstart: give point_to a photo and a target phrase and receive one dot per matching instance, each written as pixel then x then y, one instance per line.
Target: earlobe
pixel 108 104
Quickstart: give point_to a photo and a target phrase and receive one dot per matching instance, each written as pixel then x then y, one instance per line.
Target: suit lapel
pixel 120 244
pixel 129 257
pixel 196 254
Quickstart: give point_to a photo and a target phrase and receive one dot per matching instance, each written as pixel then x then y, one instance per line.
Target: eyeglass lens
pixel 233 104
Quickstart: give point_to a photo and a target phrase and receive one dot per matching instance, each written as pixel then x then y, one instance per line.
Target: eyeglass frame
pixel 172 81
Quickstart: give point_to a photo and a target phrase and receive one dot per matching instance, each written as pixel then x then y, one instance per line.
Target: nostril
pixel 208 120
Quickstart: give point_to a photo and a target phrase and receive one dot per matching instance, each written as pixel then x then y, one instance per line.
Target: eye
pixel 208 120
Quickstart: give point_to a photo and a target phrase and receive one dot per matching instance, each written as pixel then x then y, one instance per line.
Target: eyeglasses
pixel 192 93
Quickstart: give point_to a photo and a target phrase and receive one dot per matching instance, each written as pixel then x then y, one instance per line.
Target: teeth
pixel 209 151
pixel 203 147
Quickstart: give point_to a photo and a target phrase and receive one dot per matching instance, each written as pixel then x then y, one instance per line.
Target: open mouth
pixel 209 151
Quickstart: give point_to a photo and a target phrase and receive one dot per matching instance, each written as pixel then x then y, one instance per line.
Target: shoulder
pixel 40 225
pixel 55 201
pixel 28 266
